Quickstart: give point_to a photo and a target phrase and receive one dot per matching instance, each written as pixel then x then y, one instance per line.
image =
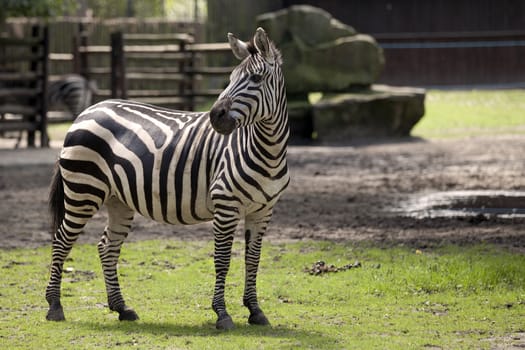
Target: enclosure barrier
pixel 162 69
pixel 23 90
pixel 455 59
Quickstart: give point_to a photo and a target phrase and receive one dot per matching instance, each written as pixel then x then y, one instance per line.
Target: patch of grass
pixel 471 113
pixel 452 297
pixel 57 132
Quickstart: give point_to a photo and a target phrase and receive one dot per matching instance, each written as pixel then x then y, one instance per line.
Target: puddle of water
pixel 505 204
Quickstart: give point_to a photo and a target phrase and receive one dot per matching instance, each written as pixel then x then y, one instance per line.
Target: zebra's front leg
pixel 224 225
pixel 119 224
pixel 255 227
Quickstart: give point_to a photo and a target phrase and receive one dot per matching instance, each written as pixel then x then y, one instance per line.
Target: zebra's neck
pixel 275 130
pixel 270 137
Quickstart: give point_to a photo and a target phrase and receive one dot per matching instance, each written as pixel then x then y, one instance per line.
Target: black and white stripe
pixel 178 167
pixel 71 92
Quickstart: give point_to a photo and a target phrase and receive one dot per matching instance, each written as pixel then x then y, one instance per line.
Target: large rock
pixel 382 111
pixel 321 53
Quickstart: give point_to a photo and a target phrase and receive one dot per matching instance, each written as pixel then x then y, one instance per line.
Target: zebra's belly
pixel 169 207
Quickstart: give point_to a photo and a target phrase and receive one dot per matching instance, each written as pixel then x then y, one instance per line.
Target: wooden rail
pixel 23 90
pixel 165 69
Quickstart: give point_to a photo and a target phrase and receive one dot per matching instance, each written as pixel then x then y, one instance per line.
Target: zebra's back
pixel 150 158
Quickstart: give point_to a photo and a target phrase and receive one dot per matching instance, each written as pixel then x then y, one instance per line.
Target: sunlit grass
pixel 57 132
pixel 401 297
pixel 471 113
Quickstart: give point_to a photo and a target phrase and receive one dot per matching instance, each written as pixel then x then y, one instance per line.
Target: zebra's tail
pixel 56 200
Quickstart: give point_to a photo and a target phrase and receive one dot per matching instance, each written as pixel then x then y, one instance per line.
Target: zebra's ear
pixel 239 48
pixel 262 43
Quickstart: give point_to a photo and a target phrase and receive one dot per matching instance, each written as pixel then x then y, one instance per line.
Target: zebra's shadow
pixel 168 329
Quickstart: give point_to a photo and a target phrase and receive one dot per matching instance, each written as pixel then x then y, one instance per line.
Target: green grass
pixel 452 297
pixel 472 113
pixel 57 132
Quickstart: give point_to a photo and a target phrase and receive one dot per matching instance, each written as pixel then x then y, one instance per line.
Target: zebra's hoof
pixel 128 314
pixel 56 314
pixel 259 319
pixel 225 323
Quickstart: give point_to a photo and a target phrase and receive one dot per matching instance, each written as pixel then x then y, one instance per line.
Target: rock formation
pixel 321 54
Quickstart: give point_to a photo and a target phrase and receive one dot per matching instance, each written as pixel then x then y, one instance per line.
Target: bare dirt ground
pixel 337 193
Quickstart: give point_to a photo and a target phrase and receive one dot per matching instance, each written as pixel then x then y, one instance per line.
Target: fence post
pixel 76 53
pixel 83 55
pixel 118 69
pixel 182 70
pixel 191 75
pixel 44 139
pixel 33 67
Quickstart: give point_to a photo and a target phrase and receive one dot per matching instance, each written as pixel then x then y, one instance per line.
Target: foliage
pixel 176 9
pixel 35 8
pixel 126 8
pixel 402 297
pixel 476 112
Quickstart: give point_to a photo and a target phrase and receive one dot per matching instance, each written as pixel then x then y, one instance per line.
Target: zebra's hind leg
pixel 71 226
pixel 63 241
pixel 255 227
pixel 119 224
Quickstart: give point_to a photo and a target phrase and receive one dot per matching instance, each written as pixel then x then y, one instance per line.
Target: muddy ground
pixel 337 193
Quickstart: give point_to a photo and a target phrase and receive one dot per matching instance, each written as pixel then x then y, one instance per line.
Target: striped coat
pixel 178 167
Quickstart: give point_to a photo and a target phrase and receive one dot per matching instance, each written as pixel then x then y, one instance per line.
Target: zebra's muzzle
pixel 221 118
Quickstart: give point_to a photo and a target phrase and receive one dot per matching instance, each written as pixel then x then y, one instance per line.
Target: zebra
pixel 72 92
pixel 177 167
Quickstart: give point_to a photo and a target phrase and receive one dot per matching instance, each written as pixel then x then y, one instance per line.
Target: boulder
pixel 321 53
pixel 381 111
pixel 308 25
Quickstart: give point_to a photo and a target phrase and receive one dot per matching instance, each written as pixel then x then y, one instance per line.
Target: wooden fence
pixel 23 84
pixel 466 59
pixel 62 29
pixel 168 83
pixel 169 70
pixel 163 69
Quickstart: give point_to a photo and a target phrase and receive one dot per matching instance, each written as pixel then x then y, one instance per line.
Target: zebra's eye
pixel 256 78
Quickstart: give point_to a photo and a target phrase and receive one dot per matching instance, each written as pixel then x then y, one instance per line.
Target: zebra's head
pixel 256 89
